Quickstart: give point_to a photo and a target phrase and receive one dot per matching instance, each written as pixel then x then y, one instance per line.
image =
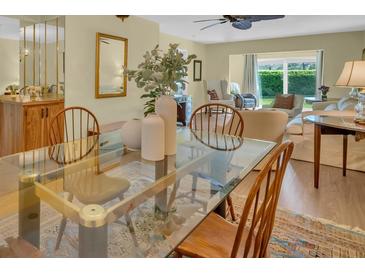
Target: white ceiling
pixel 292 25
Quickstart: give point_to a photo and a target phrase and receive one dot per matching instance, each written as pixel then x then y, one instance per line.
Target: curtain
pixel 250 76
pixel 319 72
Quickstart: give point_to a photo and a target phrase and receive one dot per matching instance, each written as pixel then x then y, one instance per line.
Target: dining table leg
pixel 161 197
pixel 317 153
pixel 344 155
pixel 29 210
pixel 93 232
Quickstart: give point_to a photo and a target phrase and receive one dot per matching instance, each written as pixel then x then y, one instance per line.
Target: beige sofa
pixel 302 134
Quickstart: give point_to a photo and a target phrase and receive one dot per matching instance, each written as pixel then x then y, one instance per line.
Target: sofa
pixel 301 133
pixel 221 88
pixel 297 109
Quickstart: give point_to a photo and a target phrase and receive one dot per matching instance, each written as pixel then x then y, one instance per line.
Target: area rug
pixel 300 236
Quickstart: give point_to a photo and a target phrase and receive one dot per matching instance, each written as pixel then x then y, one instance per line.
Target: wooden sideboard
pixel 24 122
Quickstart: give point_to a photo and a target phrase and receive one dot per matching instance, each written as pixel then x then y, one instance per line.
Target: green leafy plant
pixel 160 74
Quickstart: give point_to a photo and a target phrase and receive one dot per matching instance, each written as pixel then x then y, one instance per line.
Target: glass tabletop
pixel 113 203
pixel 343 122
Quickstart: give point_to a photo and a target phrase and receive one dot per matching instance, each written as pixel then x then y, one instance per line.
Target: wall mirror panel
pixel 42 53
pixel 111 57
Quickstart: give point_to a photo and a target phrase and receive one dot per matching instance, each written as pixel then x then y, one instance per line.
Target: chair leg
pixel 63 225
pixel 131 228
pixel 60 233
pixel 231 208
pixel 177 255
pixel 193 187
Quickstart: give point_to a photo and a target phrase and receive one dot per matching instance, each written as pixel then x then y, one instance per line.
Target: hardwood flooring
pixel 339 199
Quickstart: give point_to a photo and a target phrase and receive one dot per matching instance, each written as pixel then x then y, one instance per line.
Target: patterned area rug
pixel 300 236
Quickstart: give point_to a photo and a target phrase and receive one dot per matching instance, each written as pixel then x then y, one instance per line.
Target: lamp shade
pixel 353 75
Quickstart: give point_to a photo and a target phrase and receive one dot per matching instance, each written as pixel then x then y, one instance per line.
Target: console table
pixel 332 125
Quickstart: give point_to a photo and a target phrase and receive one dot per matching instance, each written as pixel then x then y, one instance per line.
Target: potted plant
pixel 324 90
pixel 160 74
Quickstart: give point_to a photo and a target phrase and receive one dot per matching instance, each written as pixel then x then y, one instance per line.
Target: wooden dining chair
pixel 220 119
pixel 73 148
pixel 215 237
pixel 217 118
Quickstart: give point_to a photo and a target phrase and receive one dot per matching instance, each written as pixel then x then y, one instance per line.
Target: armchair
pixel 221 87
pixel 242 100
pixel 297 109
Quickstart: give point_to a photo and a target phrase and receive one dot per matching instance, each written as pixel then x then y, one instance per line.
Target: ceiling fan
pixel 242 22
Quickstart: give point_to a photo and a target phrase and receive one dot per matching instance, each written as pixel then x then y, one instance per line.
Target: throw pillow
pixel 213 94
pixel 284 101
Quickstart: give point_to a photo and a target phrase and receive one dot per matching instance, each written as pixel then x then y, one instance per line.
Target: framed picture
pixel 197 70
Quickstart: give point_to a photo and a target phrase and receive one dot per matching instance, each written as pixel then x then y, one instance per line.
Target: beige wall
pixel 195 89
pixel 80 35
pixel 236 69
pixel 338 48
pixel 9 69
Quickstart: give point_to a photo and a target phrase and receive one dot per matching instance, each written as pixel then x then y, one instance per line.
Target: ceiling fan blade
pixel 243 24
pixel 209 26
pixel 256 18
pixel 207 20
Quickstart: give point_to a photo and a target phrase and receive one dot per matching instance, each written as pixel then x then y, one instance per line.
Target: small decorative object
pixel 160 74
pixel 166 108
pixel 197 70
pixel 360 108
pixel 132 134
pixel 153 138
pixel 324 90
pixel 31 90
pixel 353 75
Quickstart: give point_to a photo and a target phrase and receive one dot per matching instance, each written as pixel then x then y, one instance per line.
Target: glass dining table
pixel 113 203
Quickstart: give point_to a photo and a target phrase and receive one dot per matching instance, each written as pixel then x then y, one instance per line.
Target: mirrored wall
pixel 41 52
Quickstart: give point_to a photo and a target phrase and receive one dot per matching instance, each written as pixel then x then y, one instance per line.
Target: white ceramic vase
pixel 153 138
pixel 166 107
pixel 132 134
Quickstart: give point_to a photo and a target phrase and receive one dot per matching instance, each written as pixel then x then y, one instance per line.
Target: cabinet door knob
pixel 46 112
pixel 42 113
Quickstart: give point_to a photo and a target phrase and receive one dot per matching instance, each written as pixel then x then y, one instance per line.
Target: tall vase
pixel 166 107
pixel 153 138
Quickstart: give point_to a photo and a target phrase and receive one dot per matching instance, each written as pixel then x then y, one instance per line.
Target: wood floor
pixel 340 199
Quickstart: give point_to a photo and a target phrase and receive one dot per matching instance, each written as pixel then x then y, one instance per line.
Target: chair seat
pixel 213 238
pixel 97 189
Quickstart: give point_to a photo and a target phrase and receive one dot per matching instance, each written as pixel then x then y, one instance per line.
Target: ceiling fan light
pixel 243 25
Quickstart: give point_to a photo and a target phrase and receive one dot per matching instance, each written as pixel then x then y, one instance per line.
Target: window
pixel 288 72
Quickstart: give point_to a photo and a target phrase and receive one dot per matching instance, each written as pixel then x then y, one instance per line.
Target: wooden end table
pixel 331 125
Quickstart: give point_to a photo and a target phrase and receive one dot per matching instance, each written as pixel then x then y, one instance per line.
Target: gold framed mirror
pixel 111 57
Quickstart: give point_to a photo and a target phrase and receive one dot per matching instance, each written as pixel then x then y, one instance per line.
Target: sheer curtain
pixel 250 76
pixel 319 72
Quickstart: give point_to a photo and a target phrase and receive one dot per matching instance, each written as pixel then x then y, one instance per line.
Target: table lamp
pixel 353 76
